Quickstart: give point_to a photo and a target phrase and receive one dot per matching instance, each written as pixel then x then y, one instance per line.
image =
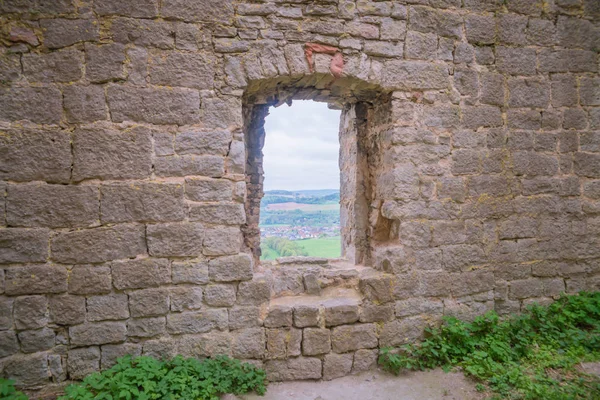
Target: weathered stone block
pixel 60 32
pixel 139 274
pixel 54 206
pixel 107 307
pixel 376 313
pixel 534 164
pixel 10 67
pixel 8 343
pixel 197 322
pixel 105 62
pixel 482 116
pixel 84 104
pixel 149 302
pixel 564 90
pixel 491 89
pixel 219 295
pixel 146 327
pixel 340 311
pixel 6 313
pixel 67 310
pixel 278 316
pixel 97 333
pixel 478 28
pixel 221 213
pixel 353 337
pixel 185 298
pixel 511 29
pixel 293 369
pixel 516 61
pixel 104 153
pixel 466 161
pixel 574 118
pixel 90 279
pixel 57 66
pixel 193 271
pixel 82 362
pixel 42 105
pixel 222 113
pixel 421 46
pixel 316 341
pixel 283 343
pixel 111 352
pixel 364 360
pixel 38 340
pixel 590 141
pixel 231 268
pixel 385 49
pixel 443 23
pixel 414 75
pixel 99 244
pixel 135 8
pixel 541 32
pixel 28 370
pixel 148 105
pixel 392 29
pixel 199 11
pixel 199 142
pixel 34 154
pixel 254 292
pixel 244 317
pixel 337 365
pixel 211 166
pixel 173 68
pixel 249 343
pixel 36 279
pixel 525 288
pixel 144 202
pixel 222 241
pixel 144 33
pixel 30 312
pixel 161 348
pixel 402 331
pixel 377 287
pixel 533 93
pixel 175 239
pixel 208 189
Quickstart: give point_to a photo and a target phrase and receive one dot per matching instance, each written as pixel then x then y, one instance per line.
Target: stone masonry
pixel 131 170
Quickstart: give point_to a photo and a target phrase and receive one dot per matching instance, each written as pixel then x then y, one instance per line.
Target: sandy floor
pixel 376 385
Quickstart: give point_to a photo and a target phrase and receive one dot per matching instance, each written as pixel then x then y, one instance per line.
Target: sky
pixel 301 147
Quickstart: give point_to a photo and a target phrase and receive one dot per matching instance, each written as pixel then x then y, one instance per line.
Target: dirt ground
pixel 376 385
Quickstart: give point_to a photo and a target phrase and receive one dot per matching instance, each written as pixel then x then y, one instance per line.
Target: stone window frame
pixel 360 223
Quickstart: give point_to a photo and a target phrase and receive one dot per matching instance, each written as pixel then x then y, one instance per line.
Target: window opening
pixel 300 208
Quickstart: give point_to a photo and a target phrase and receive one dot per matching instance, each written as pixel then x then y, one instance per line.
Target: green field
pixel 330 247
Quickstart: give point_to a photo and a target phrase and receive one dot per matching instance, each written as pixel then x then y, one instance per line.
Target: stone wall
pixel 126 197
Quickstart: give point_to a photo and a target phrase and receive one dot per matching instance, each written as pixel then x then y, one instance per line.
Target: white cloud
pixel 302 147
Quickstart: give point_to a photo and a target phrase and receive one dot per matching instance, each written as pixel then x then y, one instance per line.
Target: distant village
pixel 299 232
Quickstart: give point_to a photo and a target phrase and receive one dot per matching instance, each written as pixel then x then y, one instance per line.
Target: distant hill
pixel 317 196
pixel 310 192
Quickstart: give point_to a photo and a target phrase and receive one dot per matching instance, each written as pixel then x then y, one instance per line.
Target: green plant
pixel 534 355
pixel 145 378
pixel 8 391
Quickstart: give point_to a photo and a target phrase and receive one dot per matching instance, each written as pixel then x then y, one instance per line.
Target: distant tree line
pixel 284 247
pixel 275 199
pixel 300 218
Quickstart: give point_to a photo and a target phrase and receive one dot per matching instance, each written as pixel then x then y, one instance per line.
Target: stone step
pixel 334 306
pixel 310 276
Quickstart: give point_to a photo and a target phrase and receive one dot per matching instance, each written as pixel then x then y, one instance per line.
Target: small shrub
pixel 533 355
pixel 8 391
pixel 145 378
